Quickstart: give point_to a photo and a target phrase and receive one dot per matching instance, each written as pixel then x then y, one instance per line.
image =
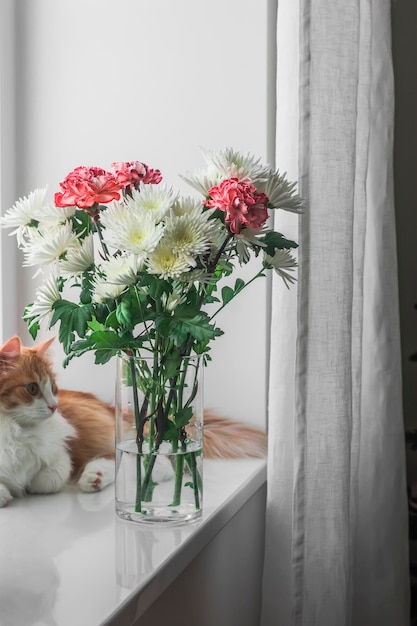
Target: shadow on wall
pixel 404 44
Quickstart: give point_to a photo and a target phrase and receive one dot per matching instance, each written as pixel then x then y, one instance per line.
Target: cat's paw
pixel 48 480
pixel 96 475
pixel 91 481
pixel 5 496
pixel 162 470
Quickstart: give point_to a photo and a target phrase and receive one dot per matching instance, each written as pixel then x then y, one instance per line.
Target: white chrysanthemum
pixel 247 239
pixel 171 301
pixel 189 235
pixel 103 289
pixel 24 214
pixel 46 295
pixel 47 247
pixel 219 234
pixel 231 164
pixel 80 257
pixel 227 163
pixel 50 215
pixel 156 200
pixel 131 231
pixel 165 263
pixel 282 262
pixel 114 212
pixel 281 193
pixel 203 180
pixel 199 275
pixel 121 270
pixel 184 206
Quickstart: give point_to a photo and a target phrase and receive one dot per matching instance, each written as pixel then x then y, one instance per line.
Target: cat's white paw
pixel 96 475
pixel 48 480
pixel 162 469
pixel 5 496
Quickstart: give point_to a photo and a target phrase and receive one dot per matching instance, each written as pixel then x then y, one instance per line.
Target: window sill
pixel 68 559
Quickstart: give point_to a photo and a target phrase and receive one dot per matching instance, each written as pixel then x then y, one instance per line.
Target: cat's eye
pixel 32 388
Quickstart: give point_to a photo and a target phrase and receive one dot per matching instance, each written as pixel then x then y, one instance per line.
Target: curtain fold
pixel 336 537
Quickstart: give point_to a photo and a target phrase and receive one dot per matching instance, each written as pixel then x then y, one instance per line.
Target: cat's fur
pixel 49 436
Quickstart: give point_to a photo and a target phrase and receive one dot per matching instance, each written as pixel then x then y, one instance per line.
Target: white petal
pixel 282 262
pixel 80 257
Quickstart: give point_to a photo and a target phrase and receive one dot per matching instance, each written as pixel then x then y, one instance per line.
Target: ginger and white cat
pixel 49 436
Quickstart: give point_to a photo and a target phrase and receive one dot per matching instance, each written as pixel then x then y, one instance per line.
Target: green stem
pixel 190 467
pixel 195 385
pixel 147 484
pixel 138 495
pixel 142 316
pixel 140 417
pixel 100 236
pixel 258 275
pixel 197 483
pixel 212 267
pixel 159 415
pixel 179 473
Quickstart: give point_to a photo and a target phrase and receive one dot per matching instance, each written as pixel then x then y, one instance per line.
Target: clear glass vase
pixel 159 438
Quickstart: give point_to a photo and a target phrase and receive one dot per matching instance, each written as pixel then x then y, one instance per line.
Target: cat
pixel 51 436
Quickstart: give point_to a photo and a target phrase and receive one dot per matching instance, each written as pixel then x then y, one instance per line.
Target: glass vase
pixel 159 438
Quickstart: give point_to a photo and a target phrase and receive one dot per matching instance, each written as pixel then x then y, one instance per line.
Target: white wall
pixel 100 81
pixel 8 291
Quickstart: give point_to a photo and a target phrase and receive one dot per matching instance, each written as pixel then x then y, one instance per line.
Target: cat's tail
pixel 230 439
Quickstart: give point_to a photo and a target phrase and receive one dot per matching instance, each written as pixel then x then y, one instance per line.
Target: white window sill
pixel 68 559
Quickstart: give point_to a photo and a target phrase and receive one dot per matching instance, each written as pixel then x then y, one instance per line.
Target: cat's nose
pixel 52 407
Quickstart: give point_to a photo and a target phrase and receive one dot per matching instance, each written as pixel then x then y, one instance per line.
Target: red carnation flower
pixel 245 207
pixel 87 186
pixel 132 173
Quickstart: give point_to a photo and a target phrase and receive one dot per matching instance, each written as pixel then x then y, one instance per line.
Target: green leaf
pixel 171 432
pixel 81 223
pixel 95 325
pixel 111 320
pixel 156 286
pixel 273 241
pixel 33 327
pixel 103 356
pixel 239 285
pixel 124 314
pixel 73 319
pixel 98 340
pixel 198 327
pixel 163 324
pixel 101 312
pixel 182 417
pixel 209 299
pixel 66 337
pixel 172 364
pixel 85 296
pixel 227 295
pixel 105 343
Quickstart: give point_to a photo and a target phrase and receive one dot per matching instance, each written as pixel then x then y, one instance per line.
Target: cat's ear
pixel 43 347
pixel 10 351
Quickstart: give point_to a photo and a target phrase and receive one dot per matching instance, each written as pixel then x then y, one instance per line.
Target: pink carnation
pixel 244 206
pixel 131 173
pixel 87 186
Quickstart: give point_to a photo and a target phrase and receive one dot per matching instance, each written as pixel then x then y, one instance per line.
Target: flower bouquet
pixel 144 263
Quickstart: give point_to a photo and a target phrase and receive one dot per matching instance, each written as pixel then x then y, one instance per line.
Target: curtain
pixel 336 533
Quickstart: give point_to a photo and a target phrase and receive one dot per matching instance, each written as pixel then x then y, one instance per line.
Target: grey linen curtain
pixel 336 538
